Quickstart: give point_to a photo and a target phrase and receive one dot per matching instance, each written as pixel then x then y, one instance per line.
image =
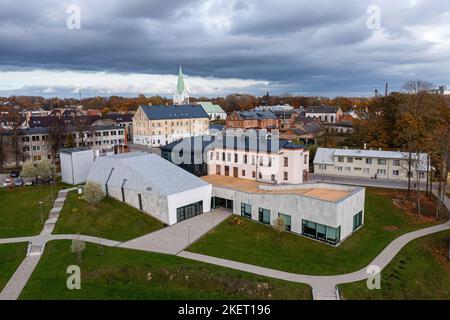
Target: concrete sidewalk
pixel 175 238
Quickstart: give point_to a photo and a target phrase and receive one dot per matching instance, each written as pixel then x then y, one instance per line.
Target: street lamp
pixel 42 214
pixel 51 188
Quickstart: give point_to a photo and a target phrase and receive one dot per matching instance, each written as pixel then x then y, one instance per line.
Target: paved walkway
pixel 175 238
pixel 172 240
pixel 36 246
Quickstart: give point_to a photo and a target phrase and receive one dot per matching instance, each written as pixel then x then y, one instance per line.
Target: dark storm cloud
pixel 321 46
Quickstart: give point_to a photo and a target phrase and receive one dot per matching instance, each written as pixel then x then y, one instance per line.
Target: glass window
pixel 368 161
pixel 287 220
pixel 340 159
pixel 381 162
pixel 357 220
pixel 349 159
pixel 264 216
pixel 396 163
pixel 246 210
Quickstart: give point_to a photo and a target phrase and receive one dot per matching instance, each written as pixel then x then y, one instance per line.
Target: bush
pixel 28 170
pixel 93 193
pixel 236 220
pixel 45 169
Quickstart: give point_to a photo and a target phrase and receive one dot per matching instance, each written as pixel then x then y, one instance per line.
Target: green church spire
pixel 180 84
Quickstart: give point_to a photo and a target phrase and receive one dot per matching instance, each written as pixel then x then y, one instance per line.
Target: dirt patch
pixel 391 228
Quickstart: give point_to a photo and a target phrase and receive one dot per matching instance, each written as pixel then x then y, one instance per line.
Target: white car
pixel 8 182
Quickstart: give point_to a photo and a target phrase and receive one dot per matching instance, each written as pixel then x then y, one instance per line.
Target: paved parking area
pixel 175 238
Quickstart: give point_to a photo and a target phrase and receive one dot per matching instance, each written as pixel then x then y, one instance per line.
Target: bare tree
pixel 279 225
pixel 57 137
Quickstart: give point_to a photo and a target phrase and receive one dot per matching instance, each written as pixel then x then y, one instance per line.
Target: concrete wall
pixel 75 166
pixel 333 214
pixel 185 198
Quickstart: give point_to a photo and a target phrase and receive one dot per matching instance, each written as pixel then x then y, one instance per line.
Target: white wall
pixel 75 166
pixel 185 198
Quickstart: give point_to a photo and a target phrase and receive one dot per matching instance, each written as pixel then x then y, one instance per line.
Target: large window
pixel 321 232
pixel 357 220
pixel 189 211
pixel 246 210
pixel 287 220
pixel 264 216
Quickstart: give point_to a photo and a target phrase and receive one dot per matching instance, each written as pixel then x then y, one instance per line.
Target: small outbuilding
pixel 152 185
pixel 75 164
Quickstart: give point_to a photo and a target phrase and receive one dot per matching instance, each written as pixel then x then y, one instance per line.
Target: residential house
pixel 326 114
pixel 253 120
pixel 214 111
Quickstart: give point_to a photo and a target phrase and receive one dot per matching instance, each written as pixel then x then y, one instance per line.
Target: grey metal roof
pixel 188 111
pixel 143 173
pixel 72 150
pixel 322 109
pixel 258 115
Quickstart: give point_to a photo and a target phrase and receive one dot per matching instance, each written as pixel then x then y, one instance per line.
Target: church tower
pixel 181 96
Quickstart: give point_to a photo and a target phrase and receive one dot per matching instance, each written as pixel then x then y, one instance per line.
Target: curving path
pixel 323 287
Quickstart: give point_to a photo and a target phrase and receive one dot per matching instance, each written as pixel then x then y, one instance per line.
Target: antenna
pixel 79 92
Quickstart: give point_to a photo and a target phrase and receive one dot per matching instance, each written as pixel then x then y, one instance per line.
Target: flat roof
pixel 252 186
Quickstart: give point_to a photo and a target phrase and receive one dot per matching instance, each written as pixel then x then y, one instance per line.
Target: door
pixel 227 171
pixel 140 201
pixel 235 172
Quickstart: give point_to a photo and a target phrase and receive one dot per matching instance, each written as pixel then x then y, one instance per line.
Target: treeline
pixel 415 121
pixel 229 103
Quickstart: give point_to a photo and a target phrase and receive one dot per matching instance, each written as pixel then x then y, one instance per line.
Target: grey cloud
pixel 320 46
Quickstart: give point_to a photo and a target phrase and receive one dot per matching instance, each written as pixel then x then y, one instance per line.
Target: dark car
pixel 18 182
pixel 14 174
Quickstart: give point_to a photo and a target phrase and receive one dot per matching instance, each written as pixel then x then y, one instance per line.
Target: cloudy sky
pixel 323 47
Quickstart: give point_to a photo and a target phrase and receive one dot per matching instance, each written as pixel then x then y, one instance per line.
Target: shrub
pixel 93 193
pixel 28 170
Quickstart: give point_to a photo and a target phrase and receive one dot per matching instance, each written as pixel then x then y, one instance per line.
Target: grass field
pixel 111 219
pixel 11 255
pixel 256 243
pixel 420 271
pixel 128 274
pixel 20 213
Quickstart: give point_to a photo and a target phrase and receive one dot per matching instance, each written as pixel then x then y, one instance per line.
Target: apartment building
pixel 36 144
pixel 326 114
pixel 252 120
pixel 156 126
pixel 274 161
pixel 375 164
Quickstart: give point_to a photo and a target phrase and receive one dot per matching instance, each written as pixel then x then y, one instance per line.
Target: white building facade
pixel 75 165
pixel 371 164
pixel 152 185
pixel 273 161
pixel 327 213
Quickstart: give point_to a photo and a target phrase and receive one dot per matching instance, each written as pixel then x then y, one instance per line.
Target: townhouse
pixel 375 164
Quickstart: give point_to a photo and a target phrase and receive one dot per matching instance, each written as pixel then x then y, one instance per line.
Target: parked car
pixel 29 183
pixel 14 174
pixel 18 182
pixel 8 182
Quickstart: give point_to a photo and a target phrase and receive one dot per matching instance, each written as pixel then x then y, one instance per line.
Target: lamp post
pixel 42 214
pixel 189 234
pixel 51 188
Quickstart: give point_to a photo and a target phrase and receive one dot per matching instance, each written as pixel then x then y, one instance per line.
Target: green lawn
pixel 420 271
pixel 111 219
pixel 128 274
pixel 11 255
pixel 20 214
pixel 256 243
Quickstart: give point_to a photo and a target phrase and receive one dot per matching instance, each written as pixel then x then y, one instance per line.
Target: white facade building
pixel 376 164
pixel 152 185
pixel 279 107
pixel 324 113
pixel 325 212
pixel 75 165
pixel 267 160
